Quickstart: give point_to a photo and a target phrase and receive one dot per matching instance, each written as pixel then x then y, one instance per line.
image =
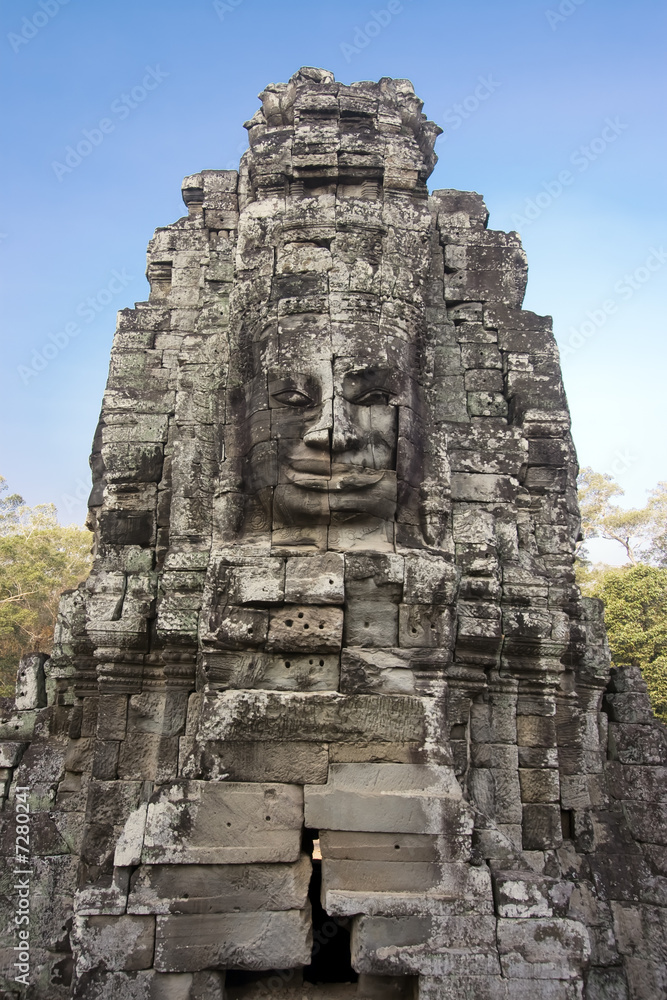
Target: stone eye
pixel 292 397
pixel 374 397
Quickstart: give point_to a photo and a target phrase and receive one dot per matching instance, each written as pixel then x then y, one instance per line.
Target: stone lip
pixel 348 478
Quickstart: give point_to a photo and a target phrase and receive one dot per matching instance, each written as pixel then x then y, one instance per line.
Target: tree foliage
pixel 657 524
pixel 39 558
pixel 8 507
pixel 601 518
pixel 641 531
pixel 635 595
pixel 635 614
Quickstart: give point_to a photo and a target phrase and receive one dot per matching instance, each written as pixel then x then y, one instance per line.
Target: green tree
pixel 635 614
pixel 635 595
pixel 641 531
pixel 657 524
pixel 39 558
pixel 600 518
pixel 8 507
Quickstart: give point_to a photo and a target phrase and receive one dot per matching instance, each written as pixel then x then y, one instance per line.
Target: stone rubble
pixel 334 510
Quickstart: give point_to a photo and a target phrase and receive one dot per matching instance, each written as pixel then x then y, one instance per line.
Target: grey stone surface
pixel 543 948
pixel 364 846
pixel 31 682
pixel 268 940
pixel 123 943
pixel 331 717
pixel 201 822
pixel 219 888
pixel 400 798
pixel 292 763
pixel 334 507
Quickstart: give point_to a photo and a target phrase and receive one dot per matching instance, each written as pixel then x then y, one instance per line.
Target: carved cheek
pixel 360 417
pixel 301 447
pixel 351 426
pixel 384 421
pixel 290 422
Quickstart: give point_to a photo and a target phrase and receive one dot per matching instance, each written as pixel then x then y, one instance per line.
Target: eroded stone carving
pixel 335 511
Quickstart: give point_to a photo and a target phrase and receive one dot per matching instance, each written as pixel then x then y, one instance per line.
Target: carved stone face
pixel 327 443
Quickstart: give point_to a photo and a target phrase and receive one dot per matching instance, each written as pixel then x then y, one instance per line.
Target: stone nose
pixel 319 434
pixel 345 434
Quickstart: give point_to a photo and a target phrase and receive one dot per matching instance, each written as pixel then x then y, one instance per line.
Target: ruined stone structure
pixel 333 604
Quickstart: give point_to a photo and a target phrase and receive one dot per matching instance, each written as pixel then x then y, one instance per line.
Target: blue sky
pixel 554 111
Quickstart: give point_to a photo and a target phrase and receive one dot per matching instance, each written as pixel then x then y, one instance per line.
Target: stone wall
pixel 333 599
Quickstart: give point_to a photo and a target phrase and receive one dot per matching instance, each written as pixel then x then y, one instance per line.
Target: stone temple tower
pixel 330 708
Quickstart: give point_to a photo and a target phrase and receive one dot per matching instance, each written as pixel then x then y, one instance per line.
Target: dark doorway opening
pixel 330 960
